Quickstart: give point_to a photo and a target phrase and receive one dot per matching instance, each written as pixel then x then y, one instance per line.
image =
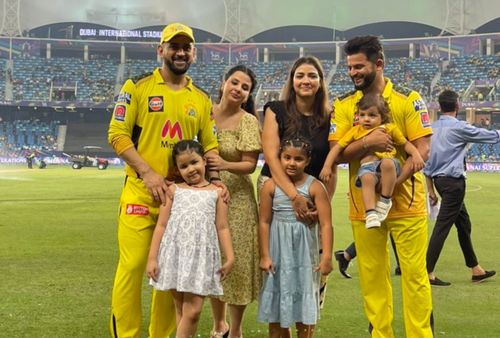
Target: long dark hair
pixel 320 108
pixel 249 104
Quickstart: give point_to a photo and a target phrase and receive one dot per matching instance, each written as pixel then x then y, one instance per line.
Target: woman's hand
pixel 225 192
pixel 215 162
pixel 305 210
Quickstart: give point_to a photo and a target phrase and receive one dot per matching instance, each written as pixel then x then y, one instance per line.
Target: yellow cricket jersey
pixel 358 132
pixel 409 113
pixel 152 117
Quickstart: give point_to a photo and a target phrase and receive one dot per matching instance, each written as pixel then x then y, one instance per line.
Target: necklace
pixel 201 186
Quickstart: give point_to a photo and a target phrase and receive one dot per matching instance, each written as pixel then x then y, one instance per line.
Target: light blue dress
pixel 291 294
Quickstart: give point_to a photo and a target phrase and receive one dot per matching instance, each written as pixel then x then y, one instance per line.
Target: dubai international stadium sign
pixel 104 32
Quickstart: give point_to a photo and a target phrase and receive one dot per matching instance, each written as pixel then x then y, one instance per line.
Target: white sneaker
pixel 382 210
pixel 372 221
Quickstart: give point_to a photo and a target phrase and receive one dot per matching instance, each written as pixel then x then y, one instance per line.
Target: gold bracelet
pixel 294 197
pixel 364 143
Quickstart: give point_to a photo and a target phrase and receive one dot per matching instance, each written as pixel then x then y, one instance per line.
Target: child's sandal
pixel 218 334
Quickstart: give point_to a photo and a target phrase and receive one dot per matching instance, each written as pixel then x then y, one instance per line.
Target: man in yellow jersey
pixel 407 219
pixel 153 112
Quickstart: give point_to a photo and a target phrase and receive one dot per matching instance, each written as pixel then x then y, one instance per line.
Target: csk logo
pixel 171 130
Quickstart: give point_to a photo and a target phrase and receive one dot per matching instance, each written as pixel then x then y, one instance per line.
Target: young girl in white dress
pixel 289 248
pixel 184 257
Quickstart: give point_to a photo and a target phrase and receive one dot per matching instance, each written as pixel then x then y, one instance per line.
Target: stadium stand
pixel 66 83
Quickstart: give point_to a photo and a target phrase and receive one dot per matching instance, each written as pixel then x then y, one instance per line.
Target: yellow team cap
pixel 175 29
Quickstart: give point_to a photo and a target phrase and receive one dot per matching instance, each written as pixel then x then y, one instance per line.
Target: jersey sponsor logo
pixel 137 210
pixel 171 129
pixel 155 104
pixel 124 97
pixel 424 119
pixel 120 112
pixel 419 105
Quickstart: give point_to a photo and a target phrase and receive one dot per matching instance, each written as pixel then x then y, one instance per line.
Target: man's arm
pixel 423 145
pixel 155 183
pixel 271 146
pixel 120 138
pixel 377 141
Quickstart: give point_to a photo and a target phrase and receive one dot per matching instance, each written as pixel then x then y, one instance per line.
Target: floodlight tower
pixel 10 21
pixel 454 22
pixel 233 20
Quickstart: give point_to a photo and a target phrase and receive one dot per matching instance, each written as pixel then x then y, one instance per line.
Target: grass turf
pixel 58 254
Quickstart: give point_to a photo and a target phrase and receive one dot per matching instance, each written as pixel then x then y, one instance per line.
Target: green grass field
pixel 58 254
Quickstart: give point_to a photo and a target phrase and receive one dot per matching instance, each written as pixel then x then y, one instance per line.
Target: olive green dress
pixel 242 285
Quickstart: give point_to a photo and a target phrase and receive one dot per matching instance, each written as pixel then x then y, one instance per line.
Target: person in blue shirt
pixel 445 170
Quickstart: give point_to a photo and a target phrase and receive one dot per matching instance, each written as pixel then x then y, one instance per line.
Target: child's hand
pixel 266 265
pixel 325 174
pixel 225 269
pixel 152 269
pixel 325 266
pixel 417 163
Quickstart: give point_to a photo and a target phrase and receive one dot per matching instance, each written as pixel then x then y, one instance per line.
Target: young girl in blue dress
pixel 290 249
pixel 184 257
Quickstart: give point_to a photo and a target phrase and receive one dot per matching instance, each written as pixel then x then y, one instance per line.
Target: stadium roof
pixel 256 16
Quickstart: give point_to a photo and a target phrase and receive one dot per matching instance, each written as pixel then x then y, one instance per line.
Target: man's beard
pixel 367 81
pixel 174 69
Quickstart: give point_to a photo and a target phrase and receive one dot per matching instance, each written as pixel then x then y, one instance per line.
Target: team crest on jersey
pixel 189 110
pixel 124 97
pixel 137 210
pixel 424 119
pixel 120 112
pixel 419 105
pixel 155 104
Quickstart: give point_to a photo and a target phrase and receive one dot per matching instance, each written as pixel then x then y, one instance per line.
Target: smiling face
pixel 370 118
pixel 306 80
pixel 191 166
pixel 294 160
pixel 361 71
pixel 237 87
pixel 177 54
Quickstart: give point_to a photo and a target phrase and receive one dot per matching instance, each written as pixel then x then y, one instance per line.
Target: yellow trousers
pixel 410 236
pixel 138 215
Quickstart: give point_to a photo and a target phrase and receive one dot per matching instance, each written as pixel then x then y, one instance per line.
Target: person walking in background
pixel 407 219
pixel 344 257
pixel 445 170
pixel 238 135
pixel 153 112
pixel 289 248
pixel 184 257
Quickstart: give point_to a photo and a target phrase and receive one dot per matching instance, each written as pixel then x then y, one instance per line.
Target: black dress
pixel 318 138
